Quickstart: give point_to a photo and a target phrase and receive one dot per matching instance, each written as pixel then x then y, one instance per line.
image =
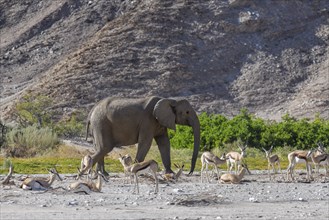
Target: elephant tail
pixel 87 129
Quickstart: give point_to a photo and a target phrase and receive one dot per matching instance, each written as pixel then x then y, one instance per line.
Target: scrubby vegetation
pixel 30 141
pixel 38 134
pixel 37 131
pixel 35 111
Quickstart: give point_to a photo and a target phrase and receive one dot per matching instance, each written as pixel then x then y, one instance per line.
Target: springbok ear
pixel 163 111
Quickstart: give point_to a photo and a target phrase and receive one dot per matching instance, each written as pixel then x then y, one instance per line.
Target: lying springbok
pixel 86 166
pixel 88 186
pixel 7 181
pixel 233 178
pixel 41 183
pixel 208 158
pixel 272 160
pixel 235 158
pixel 137 168
pixel 173 177
pixel 299 156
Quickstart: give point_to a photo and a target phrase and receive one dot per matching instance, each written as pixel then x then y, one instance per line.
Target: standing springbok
pixel 7 181
pixel 88 186
pixel 233 178
pixel 298 156
pixel 272 160
pixel 235 158
pixel 86 166
pixel 136 168
pixel 41 183
pixel 320 149
pixel 128 161
pixel 208 158
pixel 320 159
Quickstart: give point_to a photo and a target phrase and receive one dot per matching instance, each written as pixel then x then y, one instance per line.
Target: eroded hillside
pixel 268 56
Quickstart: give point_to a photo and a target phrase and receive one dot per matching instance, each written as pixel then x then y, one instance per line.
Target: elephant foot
pixel 169 171
pixel 94 175
pixel 102 171
pixel 105 173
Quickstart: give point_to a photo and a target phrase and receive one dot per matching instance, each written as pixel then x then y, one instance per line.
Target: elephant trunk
pixel 196 133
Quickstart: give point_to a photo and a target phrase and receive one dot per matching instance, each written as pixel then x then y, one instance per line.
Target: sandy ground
pixel 255 198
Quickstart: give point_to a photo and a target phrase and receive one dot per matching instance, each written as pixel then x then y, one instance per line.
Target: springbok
pixel 320 159
pixel 128 161
pixel 88 186
pixel 86 166
pixel 136 168
pixel 208 158
pixel 41 183
pixel 235 158
pixel 320 149
pixel 173 177
pixel 233 178
pixel 299 156
pixel 7 181
pixel 272 160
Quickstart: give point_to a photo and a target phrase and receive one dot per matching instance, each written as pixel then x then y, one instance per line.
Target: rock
pixel 73 202
pixel 252 199
pixel 177 190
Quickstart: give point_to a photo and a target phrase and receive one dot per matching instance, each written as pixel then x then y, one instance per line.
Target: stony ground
pixel 255 198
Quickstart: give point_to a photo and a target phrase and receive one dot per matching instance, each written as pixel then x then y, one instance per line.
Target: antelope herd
pixel 132 170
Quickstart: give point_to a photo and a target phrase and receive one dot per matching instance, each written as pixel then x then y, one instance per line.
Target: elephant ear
pixel 164 112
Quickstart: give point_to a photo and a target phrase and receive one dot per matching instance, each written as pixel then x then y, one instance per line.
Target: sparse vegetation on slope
pixel 270 57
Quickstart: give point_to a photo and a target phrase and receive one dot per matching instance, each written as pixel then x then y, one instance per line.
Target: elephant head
pixel 170 112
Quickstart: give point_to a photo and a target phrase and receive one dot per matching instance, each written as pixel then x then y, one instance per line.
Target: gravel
pixel 255 198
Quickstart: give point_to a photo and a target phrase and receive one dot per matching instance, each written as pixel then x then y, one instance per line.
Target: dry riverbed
pixel 255 198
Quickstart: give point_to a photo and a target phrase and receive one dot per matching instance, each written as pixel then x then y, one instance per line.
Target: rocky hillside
pixel 271 57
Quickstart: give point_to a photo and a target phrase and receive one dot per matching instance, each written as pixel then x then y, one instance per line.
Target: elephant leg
pixel 143 148
pixel 98 159
pixel 164 148
pixel 102 146
pixel 101 167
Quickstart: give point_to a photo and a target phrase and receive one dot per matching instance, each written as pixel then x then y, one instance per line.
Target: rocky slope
pixel 268 56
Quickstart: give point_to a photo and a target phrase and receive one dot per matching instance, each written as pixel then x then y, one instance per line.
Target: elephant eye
pixel 187 112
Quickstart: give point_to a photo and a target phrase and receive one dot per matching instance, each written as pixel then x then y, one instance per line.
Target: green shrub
pixel 218 131
pixel 3 131
pixel 30 141
pixel 33 110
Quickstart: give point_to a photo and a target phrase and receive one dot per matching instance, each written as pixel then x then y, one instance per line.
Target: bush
pixel 34 110
pixel 30 141
pixel 218 131
pixel 3 131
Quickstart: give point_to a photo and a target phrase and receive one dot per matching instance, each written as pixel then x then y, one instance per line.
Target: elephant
pixel 115 122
